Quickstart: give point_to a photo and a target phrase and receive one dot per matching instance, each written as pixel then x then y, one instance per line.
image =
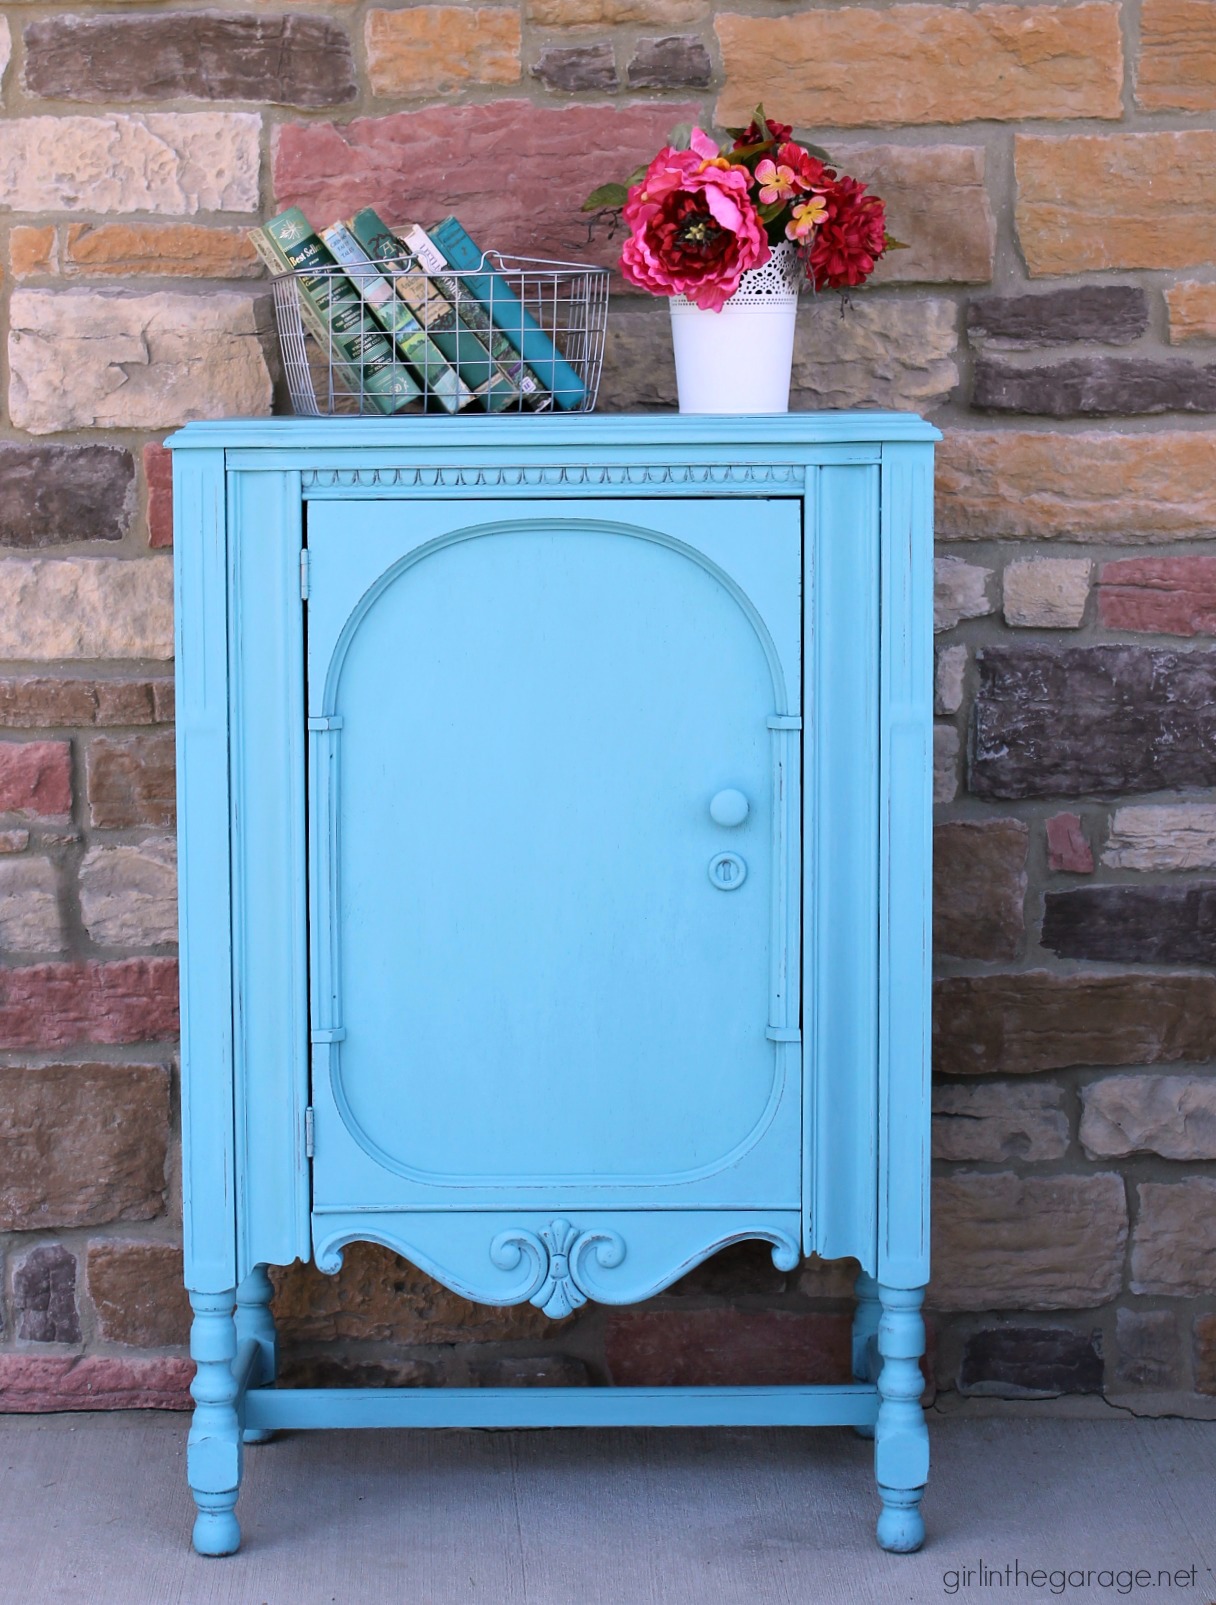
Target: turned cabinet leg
pixel 865 1336
pixel 254 1321
pixel 213 1451
pixel 901 1438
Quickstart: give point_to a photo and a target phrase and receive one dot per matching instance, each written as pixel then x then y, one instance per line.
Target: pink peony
pixel 695 231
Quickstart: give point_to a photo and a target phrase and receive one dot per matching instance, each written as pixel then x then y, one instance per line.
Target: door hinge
pixel 310 1132
pixel 304 574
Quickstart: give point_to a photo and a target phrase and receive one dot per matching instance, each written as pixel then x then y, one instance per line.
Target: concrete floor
pixel 94 1508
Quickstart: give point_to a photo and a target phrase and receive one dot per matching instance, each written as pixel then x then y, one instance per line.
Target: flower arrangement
pixel 700 218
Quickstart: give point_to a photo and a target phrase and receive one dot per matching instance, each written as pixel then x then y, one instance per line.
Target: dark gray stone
pixel 1091 721
pixel 573 67
pixel 1114 314
pixel 741 1268
pixel 1147 1349
pixel 530 1371
pixel 1092 387
pixel 1031 1362
pixel 44 1296
pixel 50 495
pixel 680 61
pixel 1133 924
pixel 201 55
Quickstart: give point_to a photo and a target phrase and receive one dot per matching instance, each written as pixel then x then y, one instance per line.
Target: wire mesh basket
pixel 514 334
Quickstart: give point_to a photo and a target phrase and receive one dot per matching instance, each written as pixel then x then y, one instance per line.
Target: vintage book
pixel 516 322
pixel 464 349
pixel 471 312
pixel 364 358
pixel 440 381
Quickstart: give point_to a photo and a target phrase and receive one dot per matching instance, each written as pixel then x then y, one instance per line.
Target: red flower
pixel 809 172
pixel 752 135
pixel 851 238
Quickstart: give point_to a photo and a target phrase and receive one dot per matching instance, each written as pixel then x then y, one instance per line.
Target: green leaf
pixel 890 243
pixel 680 135
pixel 608 198
pixel 817 150
pixel 638 174
pixel 767 214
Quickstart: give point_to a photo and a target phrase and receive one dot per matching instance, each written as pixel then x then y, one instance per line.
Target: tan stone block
pixel 1008 1242
pixel 999 1123
pixel 173 162
pixel 378 1297
pixel 950 672
pixel 128 895
pixel 29 907
pixel 1047 593
pixel 87 359
pixel 945 763
pixel 937 204
pixel 429 49
pixel 130 781
pixel 960 591
pixel 32 250
pixel 86 607
pixel 828 1278
pixel 923 64
pixel 1192 310
pixel 1112 488
pixel 137 1293
pixel 875 352
pixel 82 1143
pixel 611 13
pixel 1087 202
pixel 1153 836
pixel 1174 1243
pixel 180 250
pixel 1174 1116
pixel 979 887
pixel 1176 70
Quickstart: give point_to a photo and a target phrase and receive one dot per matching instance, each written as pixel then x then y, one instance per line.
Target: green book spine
pixel 467 351
pixel 441 383
pixel 471 311
pixel 358 344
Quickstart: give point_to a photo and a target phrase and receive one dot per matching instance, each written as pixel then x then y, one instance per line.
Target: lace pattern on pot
pixel 773 285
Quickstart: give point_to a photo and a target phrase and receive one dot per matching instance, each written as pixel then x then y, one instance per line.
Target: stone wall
pixel 1053 167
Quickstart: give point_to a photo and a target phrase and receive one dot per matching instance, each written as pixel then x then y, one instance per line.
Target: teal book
pixel 463 347
pixel 359 346
pixel 440 381
pixel 504 307
pixel 471 312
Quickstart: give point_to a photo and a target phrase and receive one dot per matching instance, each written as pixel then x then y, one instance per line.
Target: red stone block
pixel 54 1005
pixel 1067 848
pixel 417 166
pixel 725 1347
pixel 36 779
pixel 32 1383
pixel 1165 595
pixel 158 471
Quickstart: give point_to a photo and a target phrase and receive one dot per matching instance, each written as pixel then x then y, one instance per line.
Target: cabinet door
pixel 544 973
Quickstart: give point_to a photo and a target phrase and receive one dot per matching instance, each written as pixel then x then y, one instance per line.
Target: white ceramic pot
pixel 739 359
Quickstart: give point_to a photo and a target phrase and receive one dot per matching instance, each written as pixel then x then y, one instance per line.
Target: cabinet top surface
pixel 527 432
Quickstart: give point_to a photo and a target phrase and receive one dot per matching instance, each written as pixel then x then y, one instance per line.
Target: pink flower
pixel 695 231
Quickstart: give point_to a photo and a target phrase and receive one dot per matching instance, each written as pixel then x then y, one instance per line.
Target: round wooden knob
pixel 728 808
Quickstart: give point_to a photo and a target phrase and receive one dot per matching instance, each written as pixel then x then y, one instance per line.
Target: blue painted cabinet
pixel 554 811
